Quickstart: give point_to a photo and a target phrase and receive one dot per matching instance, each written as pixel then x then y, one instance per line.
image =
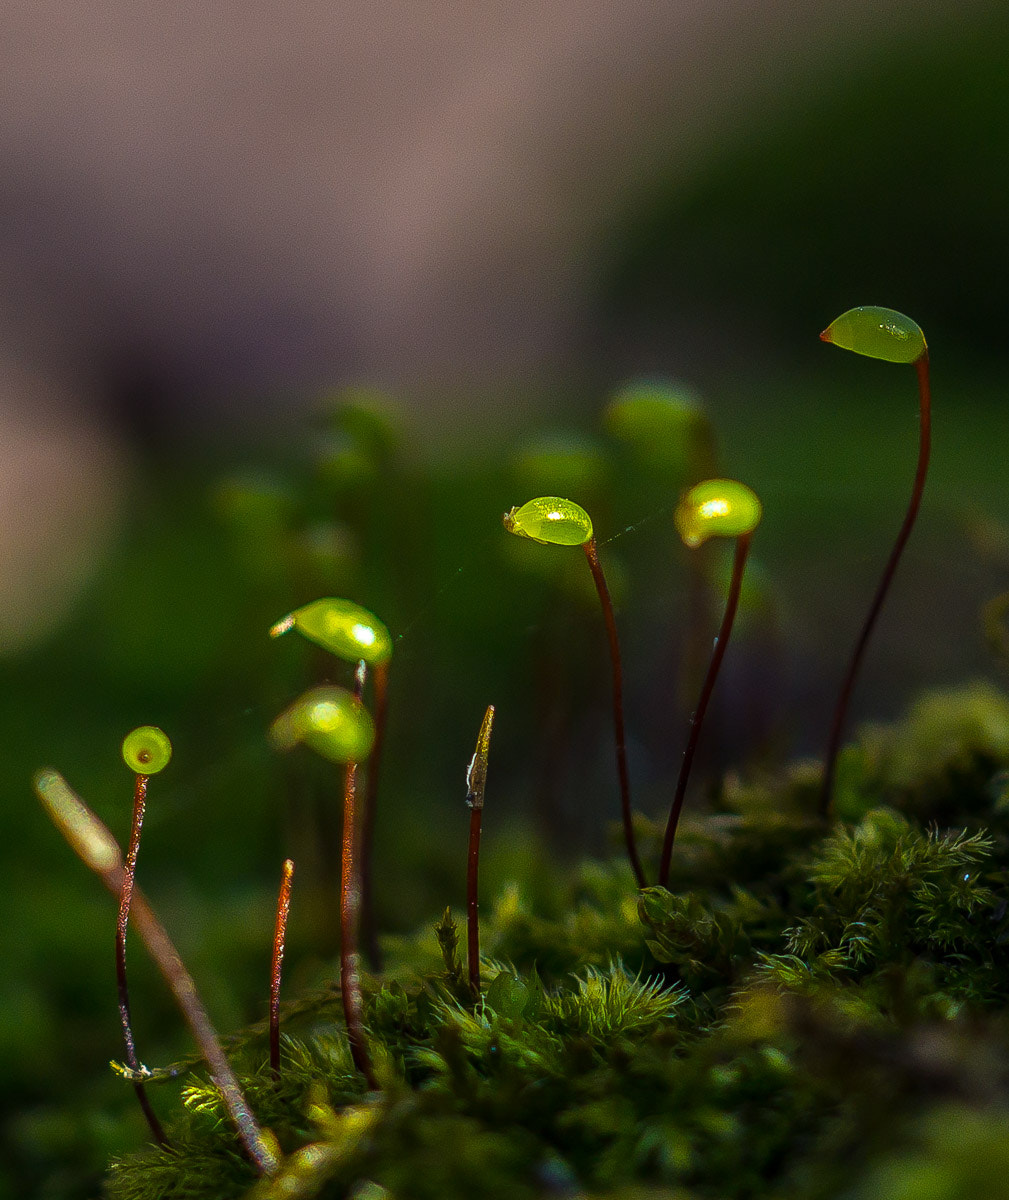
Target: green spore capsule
pixel 341 627
pixel 147 750
pixel 877 333
pixel 329 721
pixel 716 508
pixel 550 521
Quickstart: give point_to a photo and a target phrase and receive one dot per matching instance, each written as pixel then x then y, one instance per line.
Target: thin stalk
pixel 98 849
pixel 472 901
pixel 476 786
pixel 841 711
pixel 350 916
pixel 697 719
pixel 277 963
pixel 369 931
pixel 125 900
pixel 592 555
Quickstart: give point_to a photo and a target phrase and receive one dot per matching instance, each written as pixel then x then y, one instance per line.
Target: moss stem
pixel 592 555
pixel 369 930
pixel 125 901
pixel 697 719
pixel 277 963
pixel 847 686
pixel 350 915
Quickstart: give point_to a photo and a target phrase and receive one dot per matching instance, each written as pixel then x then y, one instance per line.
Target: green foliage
pixel 794 1020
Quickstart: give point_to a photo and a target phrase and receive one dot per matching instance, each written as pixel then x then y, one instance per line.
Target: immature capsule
pixel 716 508
pixel 341 627
pixel 551 521
pixel 877 333
pixel 328 720
pixel 147 750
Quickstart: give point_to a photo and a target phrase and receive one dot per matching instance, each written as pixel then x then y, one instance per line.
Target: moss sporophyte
pixel 354 634
pixel 553 521
pixel 888 335
pixel 797 994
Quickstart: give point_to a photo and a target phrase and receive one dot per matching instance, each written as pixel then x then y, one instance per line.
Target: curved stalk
pixel 697 719
pixel 122 922
pixel 592 555
pixel 847 686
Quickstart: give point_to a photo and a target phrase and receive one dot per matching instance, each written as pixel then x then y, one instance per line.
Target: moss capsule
pixel 877 333
pixel 328 720
pixel 551 521
pixel 147 750
pixel 341 627
pixel 716 508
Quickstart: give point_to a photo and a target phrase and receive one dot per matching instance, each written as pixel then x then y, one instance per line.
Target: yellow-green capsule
pixel 329 721
pixel 551 521
pixel 341 627
pixel 147 750
pixel 877 333
pixel 716 508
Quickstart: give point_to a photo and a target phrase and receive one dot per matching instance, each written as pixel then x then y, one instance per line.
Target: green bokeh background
pixel 885 185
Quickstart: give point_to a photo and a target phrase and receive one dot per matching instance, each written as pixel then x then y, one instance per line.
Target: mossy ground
pixel 810 1012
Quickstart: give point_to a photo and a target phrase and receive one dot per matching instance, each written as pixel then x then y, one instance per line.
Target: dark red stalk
pixel 350 915
pixel 697 719
pixel 476 786
pixel 472 903
pixel 125 900
pixel 841 711
pixel 277 964
pixel 369 931
pixel 592 554
pixel 98 849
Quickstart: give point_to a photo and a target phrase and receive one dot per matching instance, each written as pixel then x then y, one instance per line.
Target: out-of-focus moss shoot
pixel 562 461
pixel 550 521
pixel 716 508
pixel 329 721
pixel 254 504
pixel 368 416
pixel 328 550
pixel 147 750
pixel 341 627
pixel 664 424
pixel 646 411
pixel 877 333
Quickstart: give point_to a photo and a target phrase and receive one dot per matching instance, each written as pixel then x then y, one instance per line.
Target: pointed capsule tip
pixel 825 336
pixel 282 626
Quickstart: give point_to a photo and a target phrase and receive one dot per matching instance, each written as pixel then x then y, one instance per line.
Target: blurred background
pixel 296 302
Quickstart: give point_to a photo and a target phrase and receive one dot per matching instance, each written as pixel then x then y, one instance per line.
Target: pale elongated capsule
pixel 330 721
pixel 341 627
pixel 877 333
pixel 551 521
pixel 716 508
pixel 147 750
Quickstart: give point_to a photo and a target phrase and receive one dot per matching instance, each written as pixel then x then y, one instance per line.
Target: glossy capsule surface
pixel 341 627
pixel 877 333
pixel 716 508
pixel 329 721
pixel 550 520
pixel 147 750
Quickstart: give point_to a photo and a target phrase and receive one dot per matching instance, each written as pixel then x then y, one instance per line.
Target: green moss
pixel 800 1029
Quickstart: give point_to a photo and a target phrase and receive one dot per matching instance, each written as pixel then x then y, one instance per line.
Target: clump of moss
pixel 805 1028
